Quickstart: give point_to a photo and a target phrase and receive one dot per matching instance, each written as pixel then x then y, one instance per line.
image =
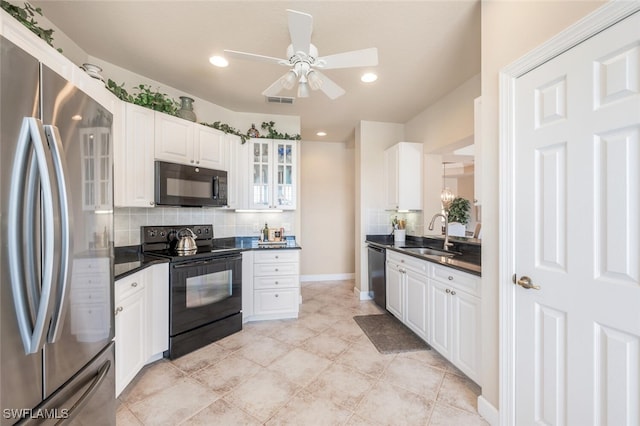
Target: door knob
pixel 526 282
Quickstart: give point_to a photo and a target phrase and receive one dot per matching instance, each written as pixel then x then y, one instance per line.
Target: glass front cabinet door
pixel 273 168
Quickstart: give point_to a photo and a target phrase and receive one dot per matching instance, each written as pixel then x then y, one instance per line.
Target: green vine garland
pixel 25 15
pixel 162 102
pixel 274 134
pixel 223 127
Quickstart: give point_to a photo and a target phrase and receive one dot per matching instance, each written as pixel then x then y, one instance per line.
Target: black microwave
pixel 189 186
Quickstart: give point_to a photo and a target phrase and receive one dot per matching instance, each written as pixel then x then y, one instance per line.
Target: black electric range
pixel 205 286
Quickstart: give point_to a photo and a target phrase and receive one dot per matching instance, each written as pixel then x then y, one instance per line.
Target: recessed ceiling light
pixel 368 77
pixel 219 61
pixel 321 133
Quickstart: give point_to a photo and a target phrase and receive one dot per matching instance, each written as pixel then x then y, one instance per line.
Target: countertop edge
pixel 418 256
pixel 143 266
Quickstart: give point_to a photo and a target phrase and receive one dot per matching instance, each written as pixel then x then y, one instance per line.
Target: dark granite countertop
pixel 468 260
pixel 129 259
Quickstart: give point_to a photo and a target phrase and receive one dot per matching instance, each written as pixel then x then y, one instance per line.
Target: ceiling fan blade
pixel 300 28
pixel 254 57
pixel 329 87
pixel 275 88
pixel 355 58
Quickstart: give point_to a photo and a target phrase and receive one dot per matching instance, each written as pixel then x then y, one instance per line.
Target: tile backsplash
pixel 379 222
pixel 226 223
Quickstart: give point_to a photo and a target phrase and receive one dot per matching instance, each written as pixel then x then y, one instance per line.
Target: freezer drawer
pixel 86 399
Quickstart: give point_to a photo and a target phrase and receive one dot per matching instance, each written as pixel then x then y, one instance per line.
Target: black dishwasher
pixel 377 279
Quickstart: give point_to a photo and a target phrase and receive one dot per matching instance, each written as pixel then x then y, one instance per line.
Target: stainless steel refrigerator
pixel 56 262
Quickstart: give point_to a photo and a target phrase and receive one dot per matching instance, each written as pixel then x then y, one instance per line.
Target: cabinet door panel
pixel 130 338
pixel 137 162
pixel 439 317
pixel 394 290
pixel 416 306
pixel 173 139
pixel 210 147
pixel 465 313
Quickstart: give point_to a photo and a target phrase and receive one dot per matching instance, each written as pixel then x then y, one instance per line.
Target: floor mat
pixel 389 335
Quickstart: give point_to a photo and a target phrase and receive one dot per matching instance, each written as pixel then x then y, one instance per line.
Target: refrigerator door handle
pixel 66 230
pixel 31 139
pixel 100 376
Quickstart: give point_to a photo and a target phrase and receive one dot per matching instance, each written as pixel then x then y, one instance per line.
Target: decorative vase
pixel 186 109
pixel 93 71
pixel 253 132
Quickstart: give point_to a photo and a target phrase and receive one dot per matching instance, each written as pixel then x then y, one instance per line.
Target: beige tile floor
pixel 317 370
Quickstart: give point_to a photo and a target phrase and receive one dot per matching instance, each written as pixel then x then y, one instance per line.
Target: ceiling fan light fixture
pixel 303 90
pixel 315 82
pixel 368 77
pixel 289 79
pixel 219 61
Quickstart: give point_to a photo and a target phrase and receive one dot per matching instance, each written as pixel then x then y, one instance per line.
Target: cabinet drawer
pixel 89 295
pixel 287 281
pixel 266 269
pixel 408 261
pixel 96 265
pixel 275 256
pixel 458 279
pixel 276 301
pixel 127 286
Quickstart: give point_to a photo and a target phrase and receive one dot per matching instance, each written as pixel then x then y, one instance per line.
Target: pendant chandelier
pixel 446 195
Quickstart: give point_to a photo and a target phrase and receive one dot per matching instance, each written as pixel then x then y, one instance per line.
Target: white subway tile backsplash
pixel 226 223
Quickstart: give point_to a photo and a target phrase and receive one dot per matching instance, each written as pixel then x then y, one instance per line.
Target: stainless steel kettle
pixel 186 241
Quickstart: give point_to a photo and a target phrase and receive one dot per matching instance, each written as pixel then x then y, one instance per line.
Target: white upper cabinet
pixel 237 164
pixel 209 147
pixel 273 174
pixel 133 157
pixel 184 142
pixel 174 139
pixel 403 176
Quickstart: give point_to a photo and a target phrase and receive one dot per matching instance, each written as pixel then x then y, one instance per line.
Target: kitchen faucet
pixel 446 244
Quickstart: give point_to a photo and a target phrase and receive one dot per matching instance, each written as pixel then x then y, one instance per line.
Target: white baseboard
pixel 327 277
pixel 362 295
pixel 488 411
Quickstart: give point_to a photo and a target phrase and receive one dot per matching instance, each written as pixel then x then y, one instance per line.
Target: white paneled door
pixel 577 234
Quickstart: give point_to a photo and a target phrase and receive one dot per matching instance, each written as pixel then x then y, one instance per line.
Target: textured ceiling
pixel 425 49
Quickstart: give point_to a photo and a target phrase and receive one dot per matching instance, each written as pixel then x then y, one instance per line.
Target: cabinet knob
pixel 453 293
pixel 151 203
pixel 134 284
pixel 450 278
pixel 118 309
pixel 277 257
pixel 276 269
pixel 197 162
pixel 276 295
pixel 448 291
pixel 276 283
pixel 192 161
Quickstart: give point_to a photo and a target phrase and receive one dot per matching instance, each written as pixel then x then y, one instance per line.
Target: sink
pixel 429 251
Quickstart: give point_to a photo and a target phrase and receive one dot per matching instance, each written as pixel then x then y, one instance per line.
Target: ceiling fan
pixel 305 63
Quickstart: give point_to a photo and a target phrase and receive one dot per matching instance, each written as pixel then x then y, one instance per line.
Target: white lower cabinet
pixel 407 291
pixel 439 304
pixel 141 321
pixel 454 318
pixel 275 284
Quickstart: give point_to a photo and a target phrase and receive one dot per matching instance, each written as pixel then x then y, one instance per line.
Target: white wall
pixel 327 200
pixel 509 30
pixel 372 138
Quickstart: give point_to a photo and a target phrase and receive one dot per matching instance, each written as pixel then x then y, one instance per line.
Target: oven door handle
pixel 206 262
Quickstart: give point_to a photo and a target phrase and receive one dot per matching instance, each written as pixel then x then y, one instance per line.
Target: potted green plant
pixel 458 216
